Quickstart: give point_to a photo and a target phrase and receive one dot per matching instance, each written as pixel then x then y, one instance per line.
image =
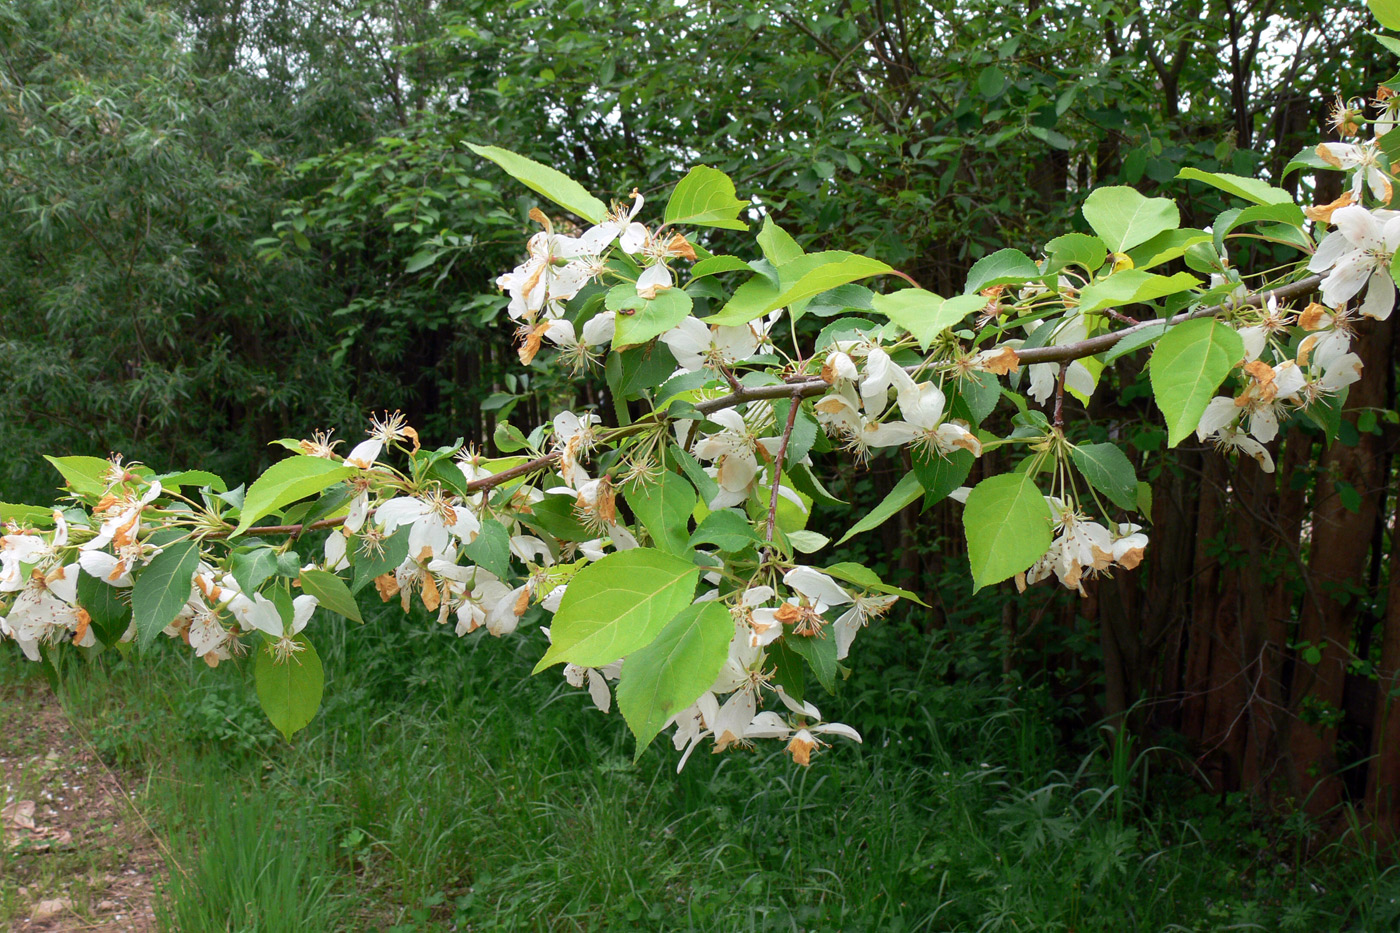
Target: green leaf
pixel 110 614
pixel 1132 287
pixel 669 674
pixel 1136 341
pixel 284 483
pixel 162 589
pixel 1251 189
pixel 25 514
pixel 990 81
pixel 1307 157
pixel 801 278
pixel 716 264
pixel 868 580
pixel 1386 12
pixel 788 670
pixel 632 372
pixel 778 247
pixel 1004 267
pixel 705 198
pixel 1166 246
pixel 1290 214
pixel 553 184
pixel 727 529
pixel 664 506
pixel 617 605
pixel 289 691
pixel 1123 218
pixel 1109 471
pixel 939 476
pixel 1007 523
pixel 194 478
pixel 924 314
pixel 251 566
pixel 331 593
pixel 1075 249
pixel 640 319
pixel 906 491
pixel 1187 366
pixel 820 655
pixel 392 552
pixel 84 475
pixel 490 549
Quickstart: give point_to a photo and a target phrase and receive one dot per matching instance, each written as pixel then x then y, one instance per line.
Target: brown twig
pixel 815 385
pixel 1060 396
pixel 778 468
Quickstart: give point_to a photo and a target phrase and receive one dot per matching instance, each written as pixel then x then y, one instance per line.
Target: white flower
pixel 732 452
pixel 433 521
pixel 1045 376
pixel 864 608
pixel 1364 156
pixel 573 438
pixel 695 345
pixel 1358 253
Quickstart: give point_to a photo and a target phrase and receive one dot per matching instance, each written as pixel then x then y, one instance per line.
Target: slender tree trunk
pixel 1341 543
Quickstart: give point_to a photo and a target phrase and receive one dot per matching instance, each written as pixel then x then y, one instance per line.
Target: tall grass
pixel 442 788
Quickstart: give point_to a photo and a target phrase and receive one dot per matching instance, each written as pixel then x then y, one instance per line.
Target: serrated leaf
pixel 1075 249
pixel 618 604
pixel 905 492
pixel 284 483
pixel 727 530
pixel 162 589
pixel 802 278
pixel 331 593
pixel 25 514
pixel 490 549
pixel 1004 267
pixel 1136 341
pixel 705 198
pixel 867 579
pixel 1307 157
pixel 553 184
pixel 663 506
pixel 1187 366
pixel 1132 287
pixel 252 566
pixel 1290 214
pixel 820 655
pixel 1123 218
pixel 1166 246
pixel 194 478
pixel 717 264
pixel 640 319
pixel 669 674
pixel 1109 471
pixel 1251 189
pixel 778 246
pixel 939 476
pixel 84 475
pixel 1386 12
pixel 1007 523
pixel 924 314
pixel 109 613
pixel 392 552
pixel 289 691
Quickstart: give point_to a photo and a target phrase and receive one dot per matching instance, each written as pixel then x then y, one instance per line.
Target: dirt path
pixel 74 852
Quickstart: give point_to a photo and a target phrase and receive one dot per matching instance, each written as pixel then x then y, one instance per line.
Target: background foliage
pixel 227 222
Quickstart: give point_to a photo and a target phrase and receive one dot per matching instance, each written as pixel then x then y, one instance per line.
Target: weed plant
pixel 443 789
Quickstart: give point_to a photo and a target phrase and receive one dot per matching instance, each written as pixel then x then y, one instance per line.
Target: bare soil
pixel 75 852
